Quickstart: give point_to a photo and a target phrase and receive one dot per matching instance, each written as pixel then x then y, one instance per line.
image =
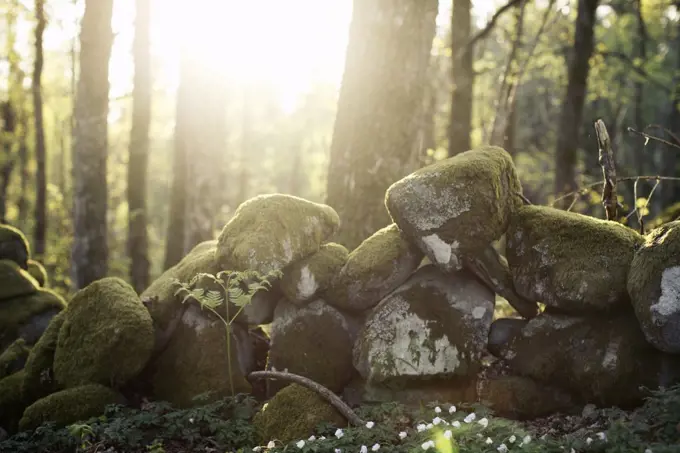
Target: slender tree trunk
pixel 40 227
pixel 462 76
pixel 174 245
pixel 378 135
pixel 572 106
pixel 7 139
pixel 669 192
pixel 138 244
pixel 90 145
pixel 638 102
pixel 24 172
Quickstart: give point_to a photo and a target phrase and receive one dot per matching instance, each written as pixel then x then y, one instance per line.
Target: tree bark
pixel 462 77
pixel 572 106
pixel 90 145
pixel 138 243
pixel 670 192
pixel 378 135
pixel 40 226
pixel 8 159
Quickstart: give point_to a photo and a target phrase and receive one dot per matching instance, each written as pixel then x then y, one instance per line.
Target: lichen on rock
pixel 107 336
pixel 374 269
pixel 457 206
pixel 304 279
pixel 654 287
pixel 432 326
pixel 313 341
pixel 570 261
pixel 269 232
pixel 69 406
pixel 293 414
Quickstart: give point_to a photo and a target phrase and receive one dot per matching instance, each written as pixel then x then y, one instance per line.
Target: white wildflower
pixel 427 445
pixel 452 409
pixel 448 434
pixel 436 420
pixel 370 425
pixel 470 418
pixel 429 426
pixel 257 448
pixel 602 436
pixel 484 422
pixel 648 450
pixel 421 428
pixel 375 447
pixel 271 444
pixel 300 444
pixel 589 441
pixel 364 449
pixel 526 440
pixel 337 450
pixel 322 438
pixel 512 439
pixel 502 448
pixel 456 424
pixel 438 410
pixel 488 441
pixel 311 438
pixel 339 433
pixel 402 435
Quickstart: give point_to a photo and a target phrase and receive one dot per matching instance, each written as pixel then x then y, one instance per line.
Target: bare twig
pixel 489 26
pixel 326 394
pixel 652 137
pixel 606 160
pixel 585 189
pixel 636 210
pixel 666 130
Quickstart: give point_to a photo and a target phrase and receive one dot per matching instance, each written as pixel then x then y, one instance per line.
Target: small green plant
pixel 234 287
pixel 83 433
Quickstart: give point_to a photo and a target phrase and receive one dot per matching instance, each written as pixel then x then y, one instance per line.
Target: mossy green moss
pixel 294 413
pixel 457 206
pixel 39 373
pixel 13 358
pixel 195 362
pixel 16 312
pixel 14 246
pixel 38 272
pixel 12 401
pixel 14 281
pixel 164 303
pixel 653 285
pixel 374 269
pixel 107 336
pixel 570 261
pixel 268 232
pixel 308 277
pixel 69 406
pixel 313 341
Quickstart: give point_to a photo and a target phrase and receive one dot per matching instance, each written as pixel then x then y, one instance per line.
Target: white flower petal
pixel 436 420
pixel 438 410
pixel 456 424
pixel 375 447
pixel 364 449
pixel 502 448
pixel 271 444
pixel 484 422
pixel 339 433
pixel 370 425
pixel 488 441
pixel 300 444
pixel 512 439
pixel 402 435
pixel 448 434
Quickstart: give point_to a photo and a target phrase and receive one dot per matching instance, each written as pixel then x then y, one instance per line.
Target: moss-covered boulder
pixel 602 359
pixel 13 358
pixel 457 206
pixel 570 261
pixel 294 413
pixel 268 232
pixel 522 398
pixel 69 406
pixel 654 287
pixel 502 331
pixel 12 401
pixel 27 316
pixel 38 272
pixel 374 269
pixel 14 246
pixel 196 360
pixel 432 326
pixel 14 281
pixel 306 278
pixel 107 336
pixel 39 369
pixel 313 341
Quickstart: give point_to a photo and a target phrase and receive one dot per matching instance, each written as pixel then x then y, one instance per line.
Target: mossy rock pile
pixel 38 272
pixel 14 246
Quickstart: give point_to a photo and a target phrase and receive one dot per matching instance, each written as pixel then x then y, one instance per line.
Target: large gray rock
pixel 313 341
pixel 601 359
pixel 434 325
pixel 569 261
pixel 304 279
pixel 654 287
pixel 374 269
pixel 457 206
pixel 268 232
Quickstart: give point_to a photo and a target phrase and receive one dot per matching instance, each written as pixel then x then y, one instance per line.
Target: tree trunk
pixel 572 106
pixel 462 77
pixel 638 102
pixel 669 191
pixel 377 135
pixel 7 139
pixel 90 145
pixel 174 241
pixel 40 227
pixel 24 172
pixel 138 243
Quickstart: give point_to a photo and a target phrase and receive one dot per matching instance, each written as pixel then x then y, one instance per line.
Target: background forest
pixel 131 130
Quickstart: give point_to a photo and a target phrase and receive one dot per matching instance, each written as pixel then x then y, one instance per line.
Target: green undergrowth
pixel 224 426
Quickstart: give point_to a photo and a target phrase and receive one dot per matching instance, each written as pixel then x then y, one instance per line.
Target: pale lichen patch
pixel 669 301
pixel 478 312
pixel 307 285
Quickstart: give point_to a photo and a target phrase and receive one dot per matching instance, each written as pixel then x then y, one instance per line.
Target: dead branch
pixel 608 164
pixel 666 130
pixel 583 190
pixel 489 26
pixel 652 137
pixel 636 209
pixel 326 394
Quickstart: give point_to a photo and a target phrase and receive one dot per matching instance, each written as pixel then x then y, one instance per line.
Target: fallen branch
pixel 652 137
pixel 326 394
pixel 606 160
